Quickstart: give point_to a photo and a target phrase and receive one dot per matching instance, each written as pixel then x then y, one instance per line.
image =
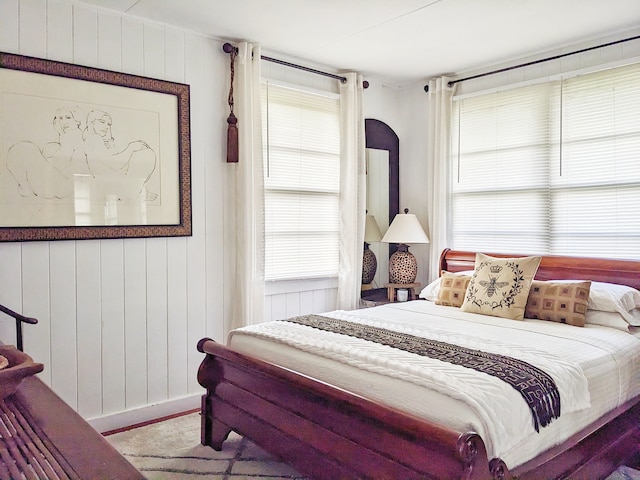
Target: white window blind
pixel 596 189
pixel 302 182
pixel 550 168
pixel 500 171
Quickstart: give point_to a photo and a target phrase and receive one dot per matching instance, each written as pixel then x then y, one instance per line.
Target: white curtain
pixel 352 192
pixel 438 151
pixel 248 305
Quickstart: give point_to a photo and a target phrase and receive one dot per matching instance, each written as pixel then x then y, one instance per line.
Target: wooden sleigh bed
pixel 330 433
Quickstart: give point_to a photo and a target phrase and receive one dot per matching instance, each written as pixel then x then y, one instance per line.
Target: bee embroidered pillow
pixel 500 286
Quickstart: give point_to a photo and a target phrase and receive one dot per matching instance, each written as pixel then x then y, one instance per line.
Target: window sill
pixel 299 285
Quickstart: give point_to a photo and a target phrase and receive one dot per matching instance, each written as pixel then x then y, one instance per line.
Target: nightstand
pixel 392 287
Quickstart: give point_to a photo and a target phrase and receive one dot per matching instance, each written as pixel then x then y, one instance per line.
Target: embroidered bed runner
pixel 536 387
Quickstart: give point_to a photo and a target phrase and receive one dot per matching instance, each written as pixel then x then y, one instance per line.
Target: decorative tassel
pixel 232 121
pixel 232 139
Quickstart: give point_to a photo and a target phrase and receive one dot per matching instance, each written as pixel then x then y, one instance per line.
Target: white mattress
pixel 595 368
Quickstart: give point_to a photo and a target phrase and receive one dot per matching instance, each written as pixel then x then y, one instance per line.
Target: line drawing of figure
pixel 83 149
pixel 48 172
pixel 136 162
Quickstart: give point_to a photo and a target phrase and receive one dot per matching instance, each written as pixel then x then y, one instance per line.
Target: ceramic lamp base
pixel 403 267
pixel 369 265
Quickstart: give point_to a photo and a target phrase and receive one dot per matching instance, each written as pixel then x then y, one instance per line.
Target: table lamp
pixel 404 229
pixel 369 262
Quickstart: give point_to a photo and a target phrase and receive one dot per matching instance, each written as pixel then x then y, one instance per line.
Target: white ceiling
pixel 395 39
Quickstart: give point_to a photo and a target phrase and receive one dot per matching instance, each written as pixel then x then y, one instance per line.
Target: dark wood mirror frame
pixel 381 136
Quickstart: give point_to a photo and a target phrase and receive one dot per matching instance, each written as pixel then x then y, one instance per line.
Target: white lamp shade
pixel 405 228
pixel 371 230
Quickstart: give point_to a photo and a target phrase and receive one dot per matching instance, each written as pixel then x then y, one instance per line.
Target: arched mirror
pixel 383 190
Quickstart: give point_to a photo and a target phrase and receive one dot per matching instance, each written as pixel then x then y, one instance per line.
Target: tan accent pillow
pixel 452 289
pixel 558 302
pixel 500 286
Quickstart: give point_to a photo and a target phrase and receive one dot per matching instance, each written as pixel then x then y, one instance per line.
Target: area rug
pixel 171 450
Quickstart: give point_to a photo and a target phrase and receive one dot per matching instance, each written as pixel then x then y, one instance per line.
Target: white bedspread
pixel 594 368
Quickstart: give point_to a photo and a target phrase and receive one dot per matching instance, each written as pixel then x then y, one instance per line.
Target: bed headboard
pixel 555 267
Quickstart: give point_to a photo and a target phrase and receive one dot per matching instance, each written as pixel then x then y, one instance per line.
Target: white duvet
pixel 595 369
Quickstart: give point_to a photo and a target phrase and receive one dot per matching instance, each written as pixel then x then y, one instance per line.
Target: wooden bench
pixel 41 437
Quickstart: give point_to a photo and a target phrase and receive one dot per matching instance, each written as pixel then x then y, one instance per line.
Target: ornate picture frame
pixel 87 153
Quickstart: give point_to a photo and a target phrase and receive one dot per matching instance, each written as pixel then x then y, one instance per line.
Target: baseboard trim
pixel 151 422
pixel 146 414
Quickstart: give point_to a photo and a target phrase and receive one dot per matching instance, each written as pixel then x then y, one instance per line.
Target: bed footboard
pixel 328 433
pixel 325 432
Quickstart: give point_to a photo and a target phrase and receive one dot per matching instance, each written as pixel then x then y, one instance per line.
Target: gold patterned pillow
pixel 562 302
pixel 500 286
pixel 452 289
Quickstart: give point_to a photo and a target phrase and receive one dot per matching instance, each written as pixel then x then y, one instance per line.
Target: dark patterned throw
pixel 536 387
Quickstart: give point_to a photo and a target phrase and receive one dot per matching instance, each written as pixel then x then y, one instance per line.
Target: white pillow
pixel 610 297
pixel 606 319
pixel 430 292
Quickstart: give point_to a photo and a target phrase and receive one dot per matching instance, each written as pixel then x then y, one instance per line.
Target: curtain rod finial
pixel 228 48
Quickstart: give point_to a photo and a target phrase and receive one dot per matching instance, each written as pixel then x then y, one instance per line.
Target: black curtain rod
pixel 535 62
pixel 228 48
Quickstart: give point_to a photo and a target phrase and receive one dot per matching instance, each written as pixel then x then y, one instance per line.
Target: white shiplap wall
pixel 119 320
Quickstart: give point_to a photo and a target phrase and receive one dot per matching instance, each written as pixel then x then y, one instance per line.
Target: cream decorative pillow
pixel 452 289
pixel 558 302
pixel 500 286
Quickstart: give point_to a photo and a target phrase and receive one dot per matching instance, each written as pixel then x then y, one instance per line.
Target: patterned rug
pixel 171 450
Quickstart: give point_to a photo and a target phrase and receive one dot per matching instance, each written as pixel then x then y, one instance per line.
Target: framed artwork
pixel 88 153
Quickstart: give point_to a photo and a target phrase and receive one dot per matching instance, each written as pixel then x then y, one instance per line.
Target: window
pixel 550 168
pixel 301 141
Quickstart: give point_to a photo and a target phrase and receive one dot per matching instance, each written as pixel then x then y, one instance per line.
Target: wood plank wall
pixel 120 319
